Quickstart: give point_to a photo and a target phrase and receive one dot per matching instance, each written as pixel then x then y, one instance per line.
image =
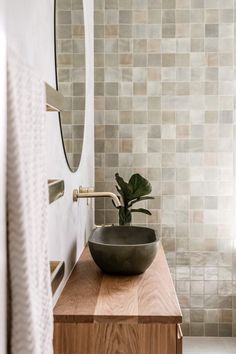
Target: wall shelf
pixel 54 99
pixel 56 189
pixel 57 269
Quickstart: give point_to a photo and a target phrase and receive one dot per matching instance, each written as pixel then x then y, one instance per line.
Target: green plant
pixel 132 192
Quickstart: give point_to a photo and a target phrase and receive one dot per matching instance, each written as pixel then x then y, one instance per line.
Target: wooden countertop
pixel 92 296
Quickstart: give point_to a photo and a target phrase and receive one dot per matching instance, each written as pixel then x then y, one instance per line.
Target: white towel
pixel 31 300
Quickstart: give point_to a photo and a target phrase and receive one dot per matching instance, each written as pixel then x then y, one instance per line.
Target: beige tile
pixel 171 91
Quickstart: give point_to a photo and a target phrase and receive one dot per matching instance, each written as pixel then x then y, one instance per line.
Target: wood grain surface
pixel 93 296
pixel 103 314
pixel 115 338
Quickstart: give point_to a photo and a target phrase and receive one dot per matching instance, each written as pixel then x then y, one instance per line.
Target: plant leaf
pixel 139 200
pixel 141 210
pixel 124 187
pixel 144 198
pixel 119 191
pixel 124 216
pixel 117 207
pixel 139 186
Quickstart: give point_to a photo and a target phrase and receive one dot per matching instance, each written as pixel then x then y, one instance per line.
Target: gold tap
pixel 88 192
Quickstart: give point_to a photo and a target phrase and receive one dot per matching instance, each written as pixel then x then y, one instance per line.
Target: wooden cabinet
pixel 102 314
pixel 179 344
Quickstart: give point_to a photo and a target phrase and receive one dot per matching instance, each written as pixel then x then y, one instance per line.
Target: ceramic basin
pixel 123 249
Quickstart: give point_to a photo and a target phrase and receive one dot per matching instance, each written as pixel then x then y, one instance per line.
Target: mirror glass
pixel 71 75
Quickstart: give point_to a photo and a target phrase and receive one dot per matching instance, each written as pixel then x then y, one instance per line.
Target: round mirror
pixel 71 75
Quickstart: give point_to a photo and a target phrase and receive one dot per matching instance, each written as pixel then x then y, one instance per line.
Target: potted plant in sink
pixel 126 249
pixel 132 192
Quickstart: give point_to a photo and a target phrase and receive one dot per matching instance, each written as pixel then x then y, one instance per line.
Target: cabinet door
pixel 157 338
pixel 179 334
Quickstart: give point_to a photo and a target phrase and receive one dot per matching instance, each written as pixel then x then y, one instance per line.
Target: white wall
pixel 3 265
pixel 30 33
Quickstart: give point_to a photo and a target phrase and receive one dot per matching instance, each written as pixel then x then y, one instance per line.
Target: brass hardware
pixel 54 99
pixel 76 192
pixel 179 342
pixel 103 225
pixel 75 195
pixel 88 192
pixel 179 331
pixel 86 189
pixel 55 189
pixel 57 269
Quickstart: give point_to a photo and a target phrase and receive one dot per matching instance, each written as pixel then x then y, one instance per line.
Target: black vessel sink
pixel 123 249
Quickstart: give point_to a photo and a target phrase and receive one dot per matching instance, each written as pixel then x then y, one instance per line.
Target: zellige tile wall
pixel 164 107
pixel 70 54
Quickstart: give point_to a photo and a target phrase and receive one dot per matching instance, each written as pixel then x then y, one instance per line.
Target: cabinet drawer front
pixel 110 338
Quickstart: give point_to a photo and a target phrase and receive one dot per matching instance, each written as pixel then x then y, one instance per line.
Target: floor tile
pixel 229 345
pixel 209 345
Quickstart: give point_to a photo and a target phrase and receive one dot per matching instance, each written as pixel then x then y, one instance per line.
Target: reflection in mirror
pixel 71 75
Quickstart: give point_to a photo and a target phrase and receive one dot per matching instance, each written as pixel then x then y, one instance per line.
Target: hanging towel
pixel 27 199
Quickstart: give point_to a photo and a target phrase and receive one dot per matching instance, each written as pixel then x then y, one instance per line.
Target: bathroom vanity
pixel 103 314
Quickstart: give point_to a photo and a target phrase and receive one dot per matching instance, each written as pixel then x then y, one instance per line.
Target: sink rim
pixel 90 240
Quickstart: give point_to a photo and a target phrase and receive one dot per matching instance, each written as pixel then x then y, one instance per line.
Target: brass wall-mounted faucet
pixel 87 192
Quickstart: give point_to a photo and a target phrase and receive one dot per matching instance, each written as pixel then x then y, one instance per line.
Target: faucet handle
pixel 75 195
pixel 86 189
pixel 81 190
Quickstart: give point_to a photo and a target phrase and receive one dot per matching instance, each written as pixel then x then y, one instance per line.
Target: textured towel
pixel 31 300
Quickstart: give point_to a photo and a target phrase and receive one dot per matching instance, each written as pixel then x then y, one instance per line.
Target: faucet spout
pixel 89 193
